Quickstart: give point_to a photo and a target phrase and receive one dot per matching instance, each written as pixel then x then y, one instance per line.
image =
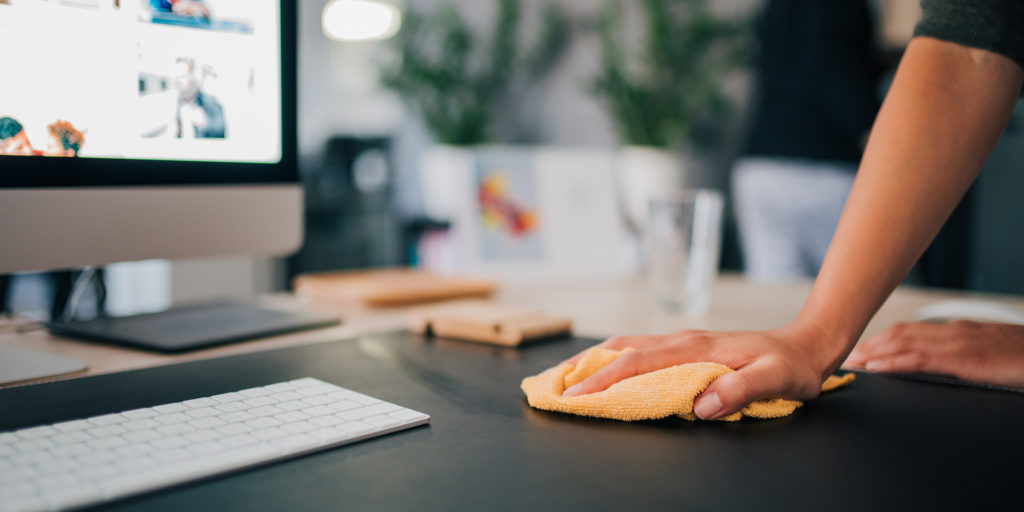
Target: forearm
pixel 945 111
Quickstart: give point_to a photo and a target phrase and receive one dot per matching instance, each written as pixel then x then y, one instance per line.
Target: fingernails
pixel 873 366
pixel 708 407
pixel 572 391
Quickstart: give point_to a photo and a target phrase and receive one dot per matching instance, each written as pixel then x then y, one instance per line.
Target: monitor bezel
pixel 49 172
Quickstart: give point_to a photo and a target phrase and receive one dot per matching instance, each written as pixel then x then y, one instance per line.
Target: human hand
pixel 977 352
pixel 784 363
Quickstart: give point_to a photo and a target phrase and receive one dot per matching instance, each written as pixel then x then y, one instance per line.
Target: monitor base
pixel 193 327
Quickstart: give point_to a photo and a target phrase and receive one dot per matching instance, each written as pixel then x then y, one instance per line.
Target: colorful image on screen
pixel 192 80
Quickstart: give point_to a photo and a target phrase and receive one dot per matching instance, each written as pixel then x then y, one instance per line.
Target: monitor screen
pixel 142 92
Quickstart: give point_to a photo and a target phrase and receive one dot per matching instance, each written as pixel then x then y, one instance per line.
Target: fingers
pixel 734 391
pixel 897 339
pixel 626 366
pixel 909 363
pixel 619 343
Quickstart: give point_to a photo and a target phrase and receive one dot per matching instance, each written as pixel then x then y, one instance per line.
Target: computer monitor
pixel 139 129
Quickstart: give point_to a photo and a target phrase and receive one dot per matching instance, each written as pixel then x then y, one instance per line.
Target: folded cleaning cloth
pixel 658 394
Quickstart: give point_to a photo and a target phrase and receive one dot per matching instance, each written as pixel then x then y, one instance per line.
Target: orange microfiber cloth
pixel 658 394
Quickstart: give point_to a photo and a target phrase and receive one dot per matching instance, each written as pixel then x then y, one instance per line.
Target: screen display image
pixel 176 80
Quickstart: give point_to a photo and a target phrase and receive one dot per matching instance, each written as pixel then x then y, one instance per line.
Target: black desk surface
pixel 882 443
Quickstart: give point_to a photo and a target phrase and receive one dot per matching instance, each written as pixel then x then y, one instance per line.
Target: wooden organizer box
pixel 389 287
pixel 487 322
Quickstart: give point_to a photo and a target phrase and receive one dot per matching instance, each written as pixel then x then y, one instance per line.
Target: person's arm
pixel 947 107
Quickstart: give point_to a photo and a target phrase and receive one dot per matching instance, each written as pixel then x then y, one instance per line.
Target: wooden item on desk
pixel 488 322
pixel 389 287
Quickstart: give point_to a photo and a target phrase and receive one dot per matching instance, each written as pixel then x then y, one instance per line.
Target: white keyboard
pixel 88 461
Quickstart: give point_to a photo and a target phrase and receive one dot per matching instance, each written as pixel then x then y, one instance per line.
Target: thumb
pixel 734 391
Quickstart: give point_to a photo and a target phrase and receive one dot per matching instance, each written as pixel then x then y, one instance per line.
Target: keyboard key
pixel 306 382
pixel 269 434
pixel 206 423
pixel 141 436
pixel 35 433
pixel 313 412
pixel 107 443
pixel 259 401
pixel 169 408
pixel 69 437
pixel 382 420
pixel 58 466
pixel 232 429
pixel 96 458
pixel 134 464
pixel 295 443
pixel 200 436
pixel 318 400
pixel 176 429
pixel 139 414
pixel 96 472
pixel 143 424
pixel 355 427
pixel 108 430
pixel 172 418
pixel 299 427
pixel 237 417
pixel 326 421
pixel 173 455
pixel 366 412
pixel 238 441
pixel 345 405
pixel 317 390
pixel 254 392
pixel 168 443
pixel 225 398
pixel 280 387
pixel 106 419
pixel 206 448
pixel 71 426
pixel 266 411
pixel 202 412
pixel 329 435
pixel 265 422
pixel 232 407
pixel 131 451
pixel 292 405
pixel 286 396
pixel 69 450
pixel 199 403
pixel 291 416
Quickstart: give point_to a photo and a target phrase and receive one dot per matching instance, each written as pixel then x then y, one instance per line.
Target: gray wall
pixel 997 249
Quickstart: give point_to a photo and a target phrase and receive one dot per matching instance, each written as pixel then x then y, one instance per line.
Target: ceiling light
pixel 361 20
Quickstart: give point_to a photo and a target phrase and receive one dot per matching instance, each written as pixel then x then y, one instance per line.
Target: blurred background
pixel 523 140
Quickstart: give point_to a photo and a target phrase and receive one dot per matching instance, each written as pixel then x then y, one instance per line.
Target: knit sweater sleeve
pixel 993 25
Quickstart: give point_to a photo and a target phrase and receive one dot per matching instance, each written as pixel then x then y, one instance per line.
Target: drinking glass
pixel 684 239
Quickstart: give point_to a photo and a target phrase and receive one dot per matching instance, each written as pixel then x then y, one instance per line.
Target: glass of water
pixel 684 236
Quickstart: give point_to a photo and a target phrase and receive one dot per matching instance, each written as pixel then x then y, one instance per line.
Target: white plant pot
pixel 645 173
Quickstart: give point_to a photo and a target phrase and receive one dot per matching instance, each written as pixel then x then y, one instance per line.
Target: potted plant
pixel 665 98
pixel 458 85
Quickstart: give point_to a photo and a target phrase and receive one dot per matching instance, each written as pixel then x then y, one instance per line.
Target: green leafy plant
pixel 455 83
pixel 671 94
